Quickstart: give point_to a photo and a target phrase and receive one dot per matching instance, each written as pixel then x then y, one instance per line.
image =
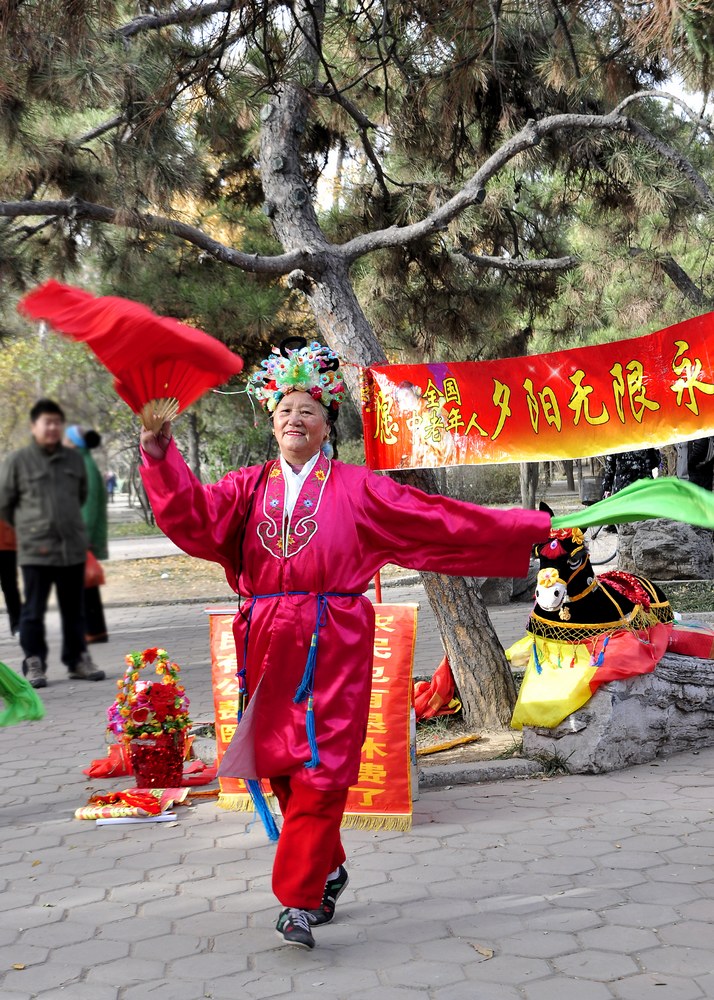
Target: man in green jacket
pixel 42 489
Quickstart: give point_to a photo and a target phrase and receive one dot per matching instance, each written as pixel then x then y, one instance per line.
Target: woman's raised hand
pixel 153 444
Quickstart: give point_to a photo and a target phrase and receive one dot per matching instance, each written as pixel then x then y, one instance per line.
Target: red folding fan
pixel 160 366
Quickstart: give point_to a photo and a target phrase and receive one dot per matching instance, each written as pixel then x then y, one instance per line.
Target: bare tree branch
pixel 474 191
pixel 520 265
pixel 189 15
pixel 677 275
pixel 77 210
pixel 704 123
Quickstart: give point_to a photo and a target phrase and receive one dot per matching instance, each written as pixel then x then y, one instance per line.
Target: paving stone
pixel 429 975
pixel 34 979
pixel 507 969
pixel 248 984
pixel 465 991
pixel 207 965
pixel 618 938
pixel 691 933
pixel 538 944
pixel 600 966
pixel 164 989
pixel 663 987
pixel 81 991
pixel 679 961
pixel 561 988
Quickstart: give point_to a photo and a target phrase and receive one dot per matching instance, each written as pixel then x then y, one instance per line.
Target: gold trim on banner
pixel 241 801
pixel 370 821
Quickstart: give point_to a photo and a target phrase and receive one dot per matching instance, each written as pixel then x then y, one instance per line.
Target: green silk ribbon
pixel 668 497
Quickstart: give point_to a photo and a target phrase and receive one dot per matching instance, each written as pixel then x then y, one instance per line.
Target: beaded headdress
pixel 297 366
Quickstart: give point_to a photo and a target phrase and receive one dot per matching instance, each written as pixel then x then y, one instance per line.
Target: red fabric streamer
pixel 432 698
pixel 150 356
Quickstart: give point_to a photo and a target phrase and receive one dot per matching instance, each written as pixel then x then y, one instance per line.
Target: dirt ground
pixel 164 580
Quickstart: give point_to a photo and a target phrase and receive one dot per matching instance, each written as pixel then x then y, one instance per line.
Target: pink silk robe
pixel 347 524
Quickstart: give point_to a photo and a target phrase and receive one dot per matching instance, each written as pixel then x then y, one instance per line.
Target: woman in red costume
pixel 300 539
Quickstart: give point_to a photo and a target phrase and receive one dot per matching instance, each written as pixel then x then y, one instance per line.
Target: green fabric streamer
pixel 675 499
pixel 22 702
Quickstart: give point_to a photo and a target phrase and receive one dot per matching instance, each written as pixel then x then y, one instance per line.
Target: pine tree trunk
pixel 477 660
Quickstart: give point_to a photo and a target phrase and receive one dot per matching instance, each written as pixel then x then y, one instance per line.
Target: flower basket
pixel 151 719
pixel 157 761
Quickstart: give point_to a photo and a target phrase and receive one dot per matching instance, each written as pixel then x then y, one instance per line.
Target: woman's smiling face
pixel 300 426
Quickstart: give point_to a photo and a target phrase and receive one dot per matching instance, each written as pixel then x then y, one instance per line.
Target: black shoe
pixel 334 887
pixel 34 669
pixel 294 928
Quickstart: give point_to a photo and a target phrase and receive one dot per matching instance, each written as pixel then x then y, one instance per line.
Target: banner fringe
pixel 364 821
pixel 241 801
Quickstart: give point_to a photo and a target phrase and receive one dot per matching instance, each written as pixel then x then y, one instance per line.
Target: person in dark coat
pixel 42 489
pixel 94 512
pixel 700 462
pixel 628 467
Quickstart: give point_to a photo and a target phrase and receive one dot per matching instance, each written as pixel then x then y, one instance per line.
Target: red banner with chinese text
pixel 233 793
pixel 645 392
pixel 382 796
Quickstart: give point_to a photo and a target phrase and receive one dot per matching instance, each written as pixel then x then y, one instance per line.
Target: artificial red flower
pixel 163 700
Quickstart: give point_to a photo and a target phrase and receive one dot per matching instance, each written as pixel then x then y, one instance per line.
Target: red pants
pixel 309 847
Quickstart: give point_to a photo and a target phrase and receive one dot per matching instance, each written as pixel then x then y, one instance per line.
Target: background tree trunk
pixel 529 475
pixel 569 474
pixel 192 444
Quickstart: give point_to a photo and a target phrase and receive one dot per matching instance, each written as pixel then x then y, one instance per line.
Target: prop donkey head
pixel 573 603
pixel 565 571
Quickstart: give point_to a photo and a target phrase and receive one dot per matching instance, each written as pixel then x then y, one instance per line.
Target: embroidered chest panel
pixel 281 540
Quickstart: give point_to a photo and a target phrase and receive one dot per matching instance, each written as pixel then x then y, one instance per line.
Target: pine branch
pixel 531 135
pixel 77 210
pixel 677 275
pixel 519 265
pixel 189 15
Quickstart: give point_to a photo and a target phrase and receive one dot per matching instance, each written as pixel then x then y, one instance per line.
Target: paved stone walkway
pixel 577 887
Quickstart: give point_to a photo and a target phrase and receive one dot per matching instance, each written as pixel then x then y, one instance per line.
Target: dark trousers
pixel 94 621
pixel 69 586
pixel 8 583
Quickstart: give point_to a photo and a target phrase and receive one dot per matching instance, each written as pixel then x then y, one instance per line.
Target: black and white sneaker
pixel 334 887
pixel 294 928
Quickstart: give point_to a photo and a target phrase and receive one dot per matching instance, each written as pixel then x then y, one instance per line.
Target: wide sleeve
pixel 203 520
pixel 425 532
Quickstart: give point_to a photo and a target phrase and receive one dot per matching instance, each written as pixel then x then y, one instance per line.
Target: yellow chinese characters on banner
pixel 645 392
pixel 382 796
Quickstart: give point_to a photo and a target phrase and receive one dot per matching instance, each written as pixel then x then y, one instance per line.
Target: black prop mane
pixel 573 604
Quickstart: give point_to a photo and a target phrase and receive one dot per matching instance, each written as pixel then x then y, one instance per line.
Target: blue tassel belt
pixel 305 687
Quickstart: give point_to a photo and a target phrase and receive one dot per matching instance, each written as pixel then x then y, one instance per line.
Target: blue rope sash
pixel 306 686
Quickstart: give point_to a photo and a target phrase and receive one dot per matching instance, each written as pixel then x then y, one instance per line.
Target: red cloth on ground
pixel 309 847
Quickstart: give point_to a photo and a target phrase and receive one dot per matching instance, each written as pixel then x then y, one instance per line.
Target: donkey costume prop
pixel 584 630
